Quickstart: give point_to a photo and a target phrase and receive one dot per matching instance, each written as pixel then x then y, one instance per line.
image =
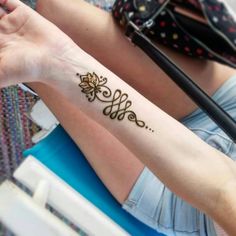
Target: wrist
pixel 60 69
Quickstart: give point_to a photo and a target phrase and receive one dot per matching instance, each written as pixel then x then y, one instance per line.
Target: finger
pixel 11 5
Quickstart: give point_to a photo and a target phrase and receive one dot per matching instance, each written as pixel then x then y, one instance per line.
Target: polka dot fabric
pixel 213 40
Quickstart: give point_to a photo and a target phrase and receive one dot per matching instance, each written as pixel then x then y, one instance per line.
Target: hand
pixel 29 44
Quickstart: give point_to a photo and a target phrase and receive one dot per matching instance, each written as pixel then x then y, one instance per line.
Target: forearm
pixel 179 158
pixel 116 166
pixel 33 49
pixel 95 31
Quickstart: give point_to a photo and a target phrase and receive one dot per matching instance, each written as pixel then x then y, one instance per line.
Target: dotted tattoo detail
pixel 117 104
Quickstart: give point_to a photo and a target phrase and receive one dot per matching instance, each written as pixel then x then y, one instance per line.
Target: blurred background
pixel 232 3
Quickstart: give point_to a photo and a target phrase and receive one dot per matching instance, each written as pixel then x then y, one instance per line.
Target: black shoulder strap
pixel 206 103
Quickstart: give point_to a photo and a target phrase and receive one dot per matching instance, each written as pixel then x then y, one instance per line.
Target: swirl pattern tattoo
pixel 118 103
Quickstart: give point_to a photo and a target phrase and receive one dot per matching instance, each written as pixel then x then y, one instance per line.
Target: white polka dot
pixel 131 14
pixel 163 35
pixel 215 19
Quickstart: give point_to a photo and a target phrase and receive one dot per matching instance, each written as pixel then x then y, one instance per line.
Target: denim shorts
pixel 154 204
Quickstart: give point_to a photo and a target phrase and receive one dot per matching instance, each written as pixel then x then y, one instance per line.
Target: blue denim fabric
pixel 154 204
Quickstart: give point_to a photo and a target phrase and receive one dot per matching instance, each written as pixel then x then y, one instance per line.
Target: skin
pixel 105 39
pixel 86 23
pixel 116 166
pixel 53 57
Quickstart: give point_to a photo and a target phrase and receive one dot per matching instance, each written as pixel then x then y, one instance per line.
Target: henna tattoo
pixel 118 104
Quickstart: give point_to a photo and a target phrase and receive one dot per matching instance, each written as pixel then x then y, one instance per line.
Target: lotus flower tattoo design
pixel 117 104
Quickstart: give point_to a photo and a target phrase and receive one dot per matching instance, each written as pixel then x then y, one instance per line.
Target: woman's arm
pixel 95 31
pixel 116 166
pixel 33 49
pixel 179 158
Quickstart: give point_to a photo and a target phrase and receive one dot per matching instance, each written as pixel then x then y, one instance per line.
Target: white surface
pixel 232 3
pixel 24 217
pixel 41 193
pixel 66 200
pixel 42 116
pixel 232 7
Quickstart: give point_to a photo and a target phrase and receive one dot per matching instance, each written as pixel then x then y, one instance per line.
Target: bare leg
pixel 116 166
pixel 95 31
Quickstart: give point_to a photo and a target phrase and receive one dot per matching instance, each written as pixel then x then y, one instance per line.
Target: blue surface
pixel 60 154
